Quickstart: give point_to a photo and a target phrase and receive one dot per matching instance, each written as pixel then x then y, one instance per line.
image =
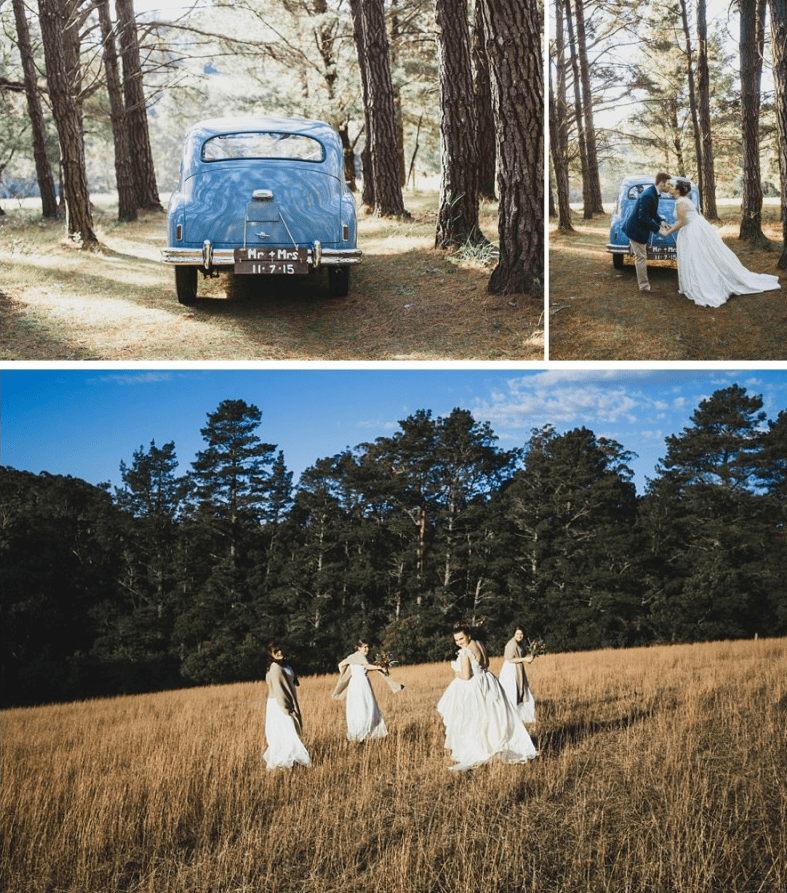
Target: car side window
pixel 293 146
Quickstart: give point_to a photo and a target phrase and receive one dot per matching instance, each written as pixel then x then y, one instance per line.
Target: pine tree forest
pixel 695 87
pixel 180 576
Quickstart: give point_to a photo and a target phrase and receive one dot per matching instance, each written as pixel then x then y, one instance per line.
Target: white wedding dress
pixel 480 723
pixel 708 271
pixel 526 711
pixel 285 747
pixel 364 719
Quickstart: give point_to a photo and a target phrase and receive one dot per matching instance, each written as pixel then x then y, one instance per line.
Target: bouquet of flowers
pixel 537 647
pixel 385 661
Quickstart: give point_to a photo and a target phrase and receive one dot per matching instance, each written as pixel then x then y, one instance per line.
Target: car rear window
pixel 262 145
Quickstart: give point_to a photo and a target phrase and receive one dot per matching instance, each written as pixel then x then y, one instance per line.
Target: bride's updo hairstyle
pixel 683 187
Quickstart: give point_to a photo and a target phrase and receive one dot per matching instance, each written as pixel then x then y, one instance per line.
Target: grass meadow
pixel 660 769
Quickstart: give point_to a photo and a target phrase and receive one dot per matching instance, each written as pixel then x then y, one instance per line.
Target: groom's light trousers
pixel 640 252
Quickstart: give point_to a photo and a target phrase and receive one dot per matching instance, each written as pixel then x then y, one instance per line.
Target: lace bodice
pixel 475 667
pixel 689 208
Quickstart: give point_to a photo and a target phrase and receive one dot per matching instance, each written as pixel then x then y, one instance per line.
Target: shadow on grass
pixel 552 740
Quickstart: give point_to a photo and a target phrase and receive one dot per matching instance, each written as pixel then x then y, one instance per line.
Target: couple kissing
pixel 708 271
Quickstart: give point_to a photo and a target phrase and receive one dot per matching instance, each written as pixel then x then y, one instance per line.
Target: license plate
pixel 265 261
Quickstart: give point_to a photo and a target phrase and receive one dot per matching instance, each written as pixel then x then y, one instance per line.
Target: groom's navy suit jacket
pixel 644 218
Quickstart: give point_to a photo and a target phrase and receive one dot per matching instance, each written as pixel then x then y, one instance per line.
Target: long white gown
pixel 364 719
pixel 480 723
pixel 708 272
pixel 285 747
pixel 526 711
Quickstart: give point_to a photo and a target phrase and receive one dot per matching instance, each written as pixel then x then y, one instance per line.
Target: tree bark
pixel 79 217
pixel 46 181
pixel 559 167
pixel 127 202
pixel 587 201
pixel 136 111
pixel 559 140
pixel 487 150
pixel 707 165
pixel 695 119
pixel 373 54
pixel 367 191
pixel 513 47
pixel 779 47
pixel 457 215
pixel 594 181
pixel 752 24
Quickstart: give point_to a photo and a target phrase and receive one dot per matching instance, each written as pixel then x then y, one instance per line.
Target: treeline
pixel 176 580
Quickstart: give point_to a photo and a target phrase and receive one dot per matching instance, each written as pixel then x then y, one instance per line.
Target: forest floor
pixel 407 300
pixel 597 313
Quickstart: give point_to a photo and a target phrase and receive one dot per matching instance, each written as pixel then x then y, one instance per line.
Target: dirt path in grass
pixel 597 313
pixel 406 302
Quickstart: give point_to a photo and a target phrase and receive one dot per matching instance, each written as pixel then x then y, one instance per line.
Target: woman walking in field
pixel 364 719
pixel 480 723
pixel 283 723
pixel 513 677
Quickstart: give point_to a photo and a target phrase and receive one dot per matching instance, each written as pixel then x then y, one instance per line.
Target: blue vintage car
pixel 261 196
pixel 659 247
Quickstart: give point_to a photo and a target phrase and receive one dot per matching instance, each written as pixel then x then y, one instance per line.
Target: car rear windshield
pixel 262 145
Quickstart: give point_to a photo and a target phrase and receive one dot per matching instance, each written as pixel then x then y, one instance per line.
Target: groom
pixel 643 220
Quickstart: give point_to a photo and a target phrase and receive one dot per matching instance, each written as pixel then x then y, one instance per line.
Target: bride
pixel 708 271
pixel 480 723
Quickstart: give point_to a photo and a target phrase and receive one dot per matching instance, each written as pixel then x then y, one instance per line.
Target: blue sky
pixel 84 421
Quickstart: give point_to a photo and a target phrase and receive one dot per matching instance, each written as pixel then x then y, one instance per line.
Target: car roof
pixel 333 163
pixel 233 124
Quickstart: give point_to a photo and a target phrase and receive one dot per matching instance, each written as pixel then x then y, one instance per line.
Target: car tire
pixel 339 281
pixel 186 284
pixel 617 261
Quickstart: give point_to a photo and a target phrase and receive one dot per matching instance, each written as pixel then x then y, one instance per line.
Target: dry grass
pixel 407 301
pixel 597 312
pixel 661 769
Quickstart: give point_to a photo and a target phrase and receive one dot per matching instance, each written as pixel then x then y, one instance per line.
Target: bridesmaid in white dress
pixel 708 271
pixel 480 724
pixel 283 722
pixel 364 719
pixel 513 677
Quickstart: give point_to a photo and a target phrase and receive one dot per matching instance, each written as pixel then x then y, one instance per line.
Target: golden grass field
pixel 660 769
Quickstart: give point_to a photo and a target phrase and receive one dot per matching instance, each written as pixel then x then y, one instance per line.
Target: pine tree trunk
pixel 457 215
pixel 79 217
pixel 381 117
pixel 587 201
pixel 779 45
pixel 558 113
pixel 136 110
pixel 367 192
pixel 127 202
pixel 46 181
pixel 594 181
pixel 560 168
pixel 513 47
pixel 397 95
pixel 487 149
pixel 752 16
pixel 695 120
pixel 706 139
